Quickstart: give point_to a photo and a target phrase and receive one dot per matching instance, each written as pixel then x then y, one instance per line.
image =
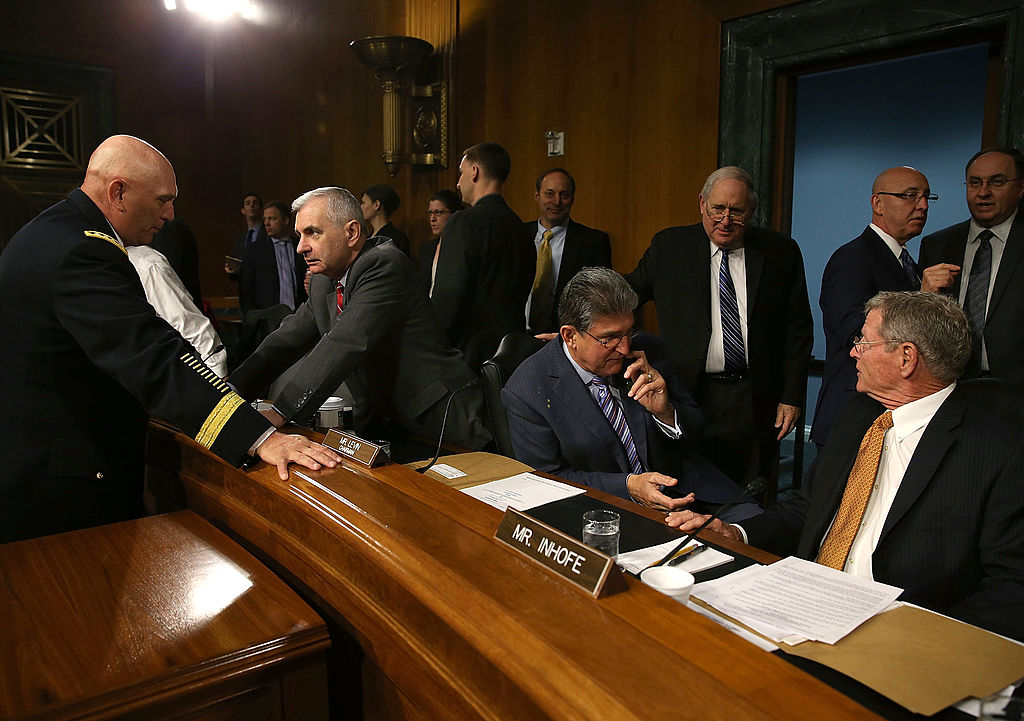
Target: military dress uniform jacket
pixel 85 357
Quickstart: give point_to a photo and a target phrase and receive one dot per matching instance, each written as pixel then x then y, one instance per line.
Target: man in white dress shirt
pixel 938 508
pixel 172 302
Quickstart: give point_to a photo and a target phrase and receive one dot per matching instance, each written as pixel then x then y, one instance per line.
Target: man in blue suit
pixel 569 415
pixel 877 260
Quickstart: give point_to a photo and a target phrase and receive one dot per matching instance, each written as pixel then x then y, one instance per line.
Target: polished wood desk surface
pixel 105 621
pixel 467 628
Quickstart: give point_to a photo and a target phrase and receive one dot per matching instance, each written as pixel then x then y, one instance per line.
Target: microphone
pixel 444 421
pixel 751 489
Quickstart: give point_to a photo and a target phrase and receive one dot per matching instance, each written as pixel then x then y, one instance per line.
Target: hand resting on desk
pixel 280 449
pixel 687 521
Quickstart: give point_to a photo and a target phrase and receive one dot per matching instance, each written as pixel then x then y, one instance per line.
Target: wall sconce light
pixel 423 121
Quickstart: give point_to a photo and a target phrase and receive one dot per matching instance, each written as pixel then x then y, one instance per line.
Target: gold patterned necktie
pixel 836 547
pixel 542 296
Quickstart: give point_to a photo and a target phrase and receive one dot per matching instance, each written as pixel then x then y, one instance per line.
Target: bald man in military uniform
pixel 86 358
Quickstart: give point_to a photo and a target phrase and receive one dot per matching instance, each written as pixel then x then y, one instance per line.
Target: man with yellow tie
pixel 564 248
pixel 920 486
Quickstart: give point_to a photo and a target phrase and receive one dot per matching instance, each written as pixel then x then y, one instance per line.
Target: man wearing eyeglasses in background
pixel 981 263
pixel 592 406
pixel 876 260
pixel 739 333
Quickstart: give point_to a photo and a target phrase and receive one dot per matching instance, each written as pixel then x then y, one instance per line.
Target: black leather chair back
pixel 513 350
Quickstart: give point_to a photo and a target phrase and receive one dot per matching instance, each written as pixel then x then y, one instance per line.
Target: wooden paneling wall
pixel 283 107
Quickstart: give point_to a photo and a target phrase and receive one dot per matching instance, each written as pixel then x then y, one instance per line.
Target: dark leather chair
pixel 513 350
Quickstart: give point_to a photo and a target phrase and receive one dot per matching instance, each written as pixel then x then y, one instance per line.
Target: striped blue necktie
pixel 732 334
pixel 613 412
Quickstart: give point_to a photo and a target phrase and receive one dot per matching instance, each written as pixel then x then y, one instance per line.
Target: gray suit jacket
pixel 386 345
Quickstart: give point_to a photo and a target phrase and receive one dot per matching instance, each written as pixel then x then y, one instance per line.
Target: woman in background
pixel 442 205
pixel 379 203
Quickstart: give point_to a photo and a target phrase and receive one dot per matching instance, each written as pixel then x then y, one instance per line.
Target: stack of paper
pixel 522 492
pixel 795 600
pixel 638 560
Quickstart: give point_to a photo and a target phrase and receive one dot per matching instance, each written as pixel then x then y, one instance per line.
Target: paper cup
pixel 671 581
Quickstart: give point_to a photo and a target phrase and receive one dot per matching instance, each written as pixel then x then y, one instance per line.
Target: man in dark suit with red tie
pixel 921 486
pixel 980 262
pixel 564 248
pixel 877 260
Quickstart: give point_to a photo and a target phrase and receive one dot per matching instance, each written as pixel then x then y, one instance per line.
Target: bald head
pixel 133 185
pixel 898 202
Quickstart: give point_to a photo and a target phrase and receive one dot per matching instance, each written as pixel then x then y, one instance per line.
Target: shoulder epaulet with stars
pixel 109 238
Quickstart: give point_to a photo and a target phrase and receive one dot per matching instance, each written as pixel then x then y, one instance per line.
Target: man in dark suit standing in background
pixel 920 486
pixel 739 332
pixel 252 211
pixel 272 272
pixel 564 247
pixel 368 323
pixel 486 265
pixel 877 260
pixel 980 262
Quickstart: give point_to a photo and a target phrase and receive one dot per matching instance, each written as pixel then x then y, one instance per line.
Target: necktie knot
pixel 884 421
pixel 986 235
pixel 548 235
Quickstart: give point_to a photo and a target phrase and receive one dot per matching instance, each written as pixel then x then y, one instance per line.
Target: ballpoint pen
pixel 685 554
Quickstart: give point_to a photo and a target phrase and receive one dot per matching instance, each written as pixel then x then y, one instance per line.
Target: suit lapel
pixel 570 391
pixel 935 443
pixel 1012 255
pixel 888 263
pixel 754 263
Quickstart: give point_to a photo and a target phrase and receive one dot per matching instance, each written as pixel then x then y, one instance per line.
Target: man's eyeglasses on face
pixel 912 196
pixel 997 183
pixel 718 213
pixel 862 345
pixel 613 342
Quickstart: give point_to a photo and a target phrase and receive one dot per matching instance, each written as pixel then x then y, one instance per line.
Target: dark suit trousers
pixel 733 440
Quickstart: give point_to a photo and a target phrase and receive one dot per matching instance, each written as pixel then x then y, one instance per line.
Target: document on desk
pixel 797 599
pixel 638 560
pixel 522 492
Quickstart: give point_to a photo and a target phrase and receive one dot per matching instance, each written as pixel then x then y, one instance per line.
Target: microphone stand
pixel 444 422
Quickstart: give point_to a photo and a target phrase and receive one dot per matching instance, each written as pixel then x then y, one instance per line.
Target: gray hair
pixel 594 293
pixel 342 206
pixel 732 172
pixel 933 323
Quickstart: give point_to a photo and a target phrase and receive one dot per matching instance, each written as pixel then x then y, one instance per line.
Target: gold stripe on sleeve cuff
pixel 218 418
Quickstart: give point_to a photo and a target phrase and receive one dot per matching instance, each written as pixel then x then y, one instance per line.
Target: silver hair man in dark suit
pixel 939 509
pixel 367 322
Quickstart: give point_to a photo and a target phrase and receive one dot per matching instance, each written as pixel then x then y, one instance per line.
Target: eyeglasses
pixel 438 213
pixel 613 342
pixel 911 195
pixel 996 183
pixel 859 341
pixel 717 213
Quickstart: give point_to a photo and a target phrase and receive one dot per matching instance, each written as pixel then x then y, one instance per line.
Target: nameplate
pixel 581 565
pixel 355 448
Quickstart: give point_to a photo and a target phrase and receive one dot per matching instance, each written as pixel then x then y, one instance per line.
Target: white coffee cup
pixel 671 581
